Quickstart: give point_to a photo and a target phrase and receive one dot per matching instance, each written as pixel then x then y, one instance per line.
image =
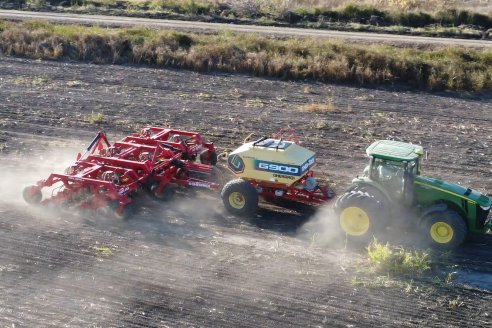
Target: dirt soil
pixel 188 263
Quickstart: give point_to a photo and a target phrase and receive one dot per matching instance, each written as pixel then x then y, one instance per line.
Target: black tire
pixel 240 197
pixel 208 157
pixel 360 215
pixel 445 230
pixel 221 175
pixel 166 193
pixel 32 195
pixel 121 214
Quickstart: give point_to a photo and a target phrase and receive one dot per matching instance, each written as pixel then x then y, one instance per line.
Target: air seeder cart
pixel 276 169
pixel 109 176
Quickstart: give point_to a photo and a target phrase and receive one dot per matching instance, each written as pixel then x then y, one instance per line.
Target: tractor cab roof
pixel 394 150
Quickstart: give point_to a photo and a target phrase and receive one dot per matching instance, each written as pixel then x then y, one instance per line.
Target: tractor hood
pixel 455 189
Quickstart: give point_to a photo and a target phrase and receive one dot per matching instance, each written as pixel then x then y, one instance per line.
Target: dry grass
pixel 94 118
pixel 273 6
pixel 273 10
pixel 327 61
pixel 328 107
pixel 75 84
pixel 424 5
pixel 442 18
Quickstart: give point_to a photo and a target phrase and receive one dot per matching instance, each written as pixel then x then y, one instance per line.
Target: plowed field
pixel 188 263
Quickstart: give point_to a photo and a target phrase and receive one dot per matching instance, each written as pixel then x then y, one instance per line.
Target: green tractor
pixel 392 189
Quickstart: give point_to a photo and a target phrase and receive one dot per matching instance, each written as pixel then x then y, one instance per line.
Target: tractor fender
pixel 368 187
pixel 435 208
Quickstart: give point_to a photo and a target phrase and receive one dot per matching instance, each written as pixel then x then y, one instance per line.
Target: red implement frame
pixel 318 195
pixel 110 175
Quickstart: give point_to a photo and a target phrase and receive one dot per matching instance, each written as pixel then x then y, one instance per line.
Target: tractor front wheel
pixel 240 197
pixel 444 230
pixel 360 215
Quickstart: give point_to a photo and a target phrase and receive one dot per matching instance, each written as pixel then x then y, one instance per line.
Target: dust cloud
pixel 323 229
pixel 23 170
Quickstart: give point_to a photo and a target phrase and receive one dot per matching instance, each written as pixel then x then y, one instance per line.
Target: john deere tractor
pixel 391 189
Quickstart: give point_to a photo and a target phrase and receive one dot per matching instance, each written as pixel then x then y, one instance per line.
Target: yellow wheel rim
pixel 236 199
pixel 441 232
pixel 354 221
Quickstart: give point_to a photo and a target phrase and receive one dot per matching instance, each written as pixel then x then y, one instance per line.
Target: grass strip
pixel 402 13
pixel 451 68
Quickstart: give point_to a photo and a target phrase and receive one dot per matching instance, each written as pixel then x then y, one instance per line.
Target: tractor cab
pixel 394 165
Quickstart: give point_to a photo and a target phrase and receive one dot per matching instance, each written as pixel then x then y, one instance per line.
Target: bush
pixel 356 13
pixel 398 260
pixel 456 18
pixel 413 19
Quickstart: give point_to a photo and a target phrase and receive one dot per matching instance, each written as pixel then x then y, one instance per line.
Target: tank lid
pixel 273 143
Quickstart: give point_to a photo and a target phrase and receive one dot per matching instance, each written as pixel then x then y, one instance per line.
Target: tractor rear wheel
pixel 240 197
pixel 444 230
pixel 360 215
pixel 32 195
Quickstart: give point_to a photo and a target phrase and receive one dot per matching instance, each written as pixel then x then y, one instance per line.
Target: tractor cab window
pixel 414 168
pixel 391 174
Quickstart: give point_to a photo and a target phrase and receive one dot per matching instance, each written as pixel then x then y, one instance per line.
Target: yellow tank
pixel 271 160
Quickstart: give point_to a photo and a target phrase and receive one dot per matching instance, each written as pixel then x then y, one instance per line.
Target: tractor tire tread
pixel 454 219
pixel 247 190
pixel 371 203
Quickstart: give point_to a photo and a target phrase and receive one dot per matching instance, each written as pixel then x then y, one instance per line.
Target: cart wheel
pixel 208 157
pixel 240 197
pixel 32 195
pixel 166 193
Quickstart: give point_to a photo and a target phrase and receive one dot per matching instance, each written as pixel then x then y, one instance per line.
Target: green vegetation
pixel 398 260
pixel 408 269
pixel 450 68
pixel 103 251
